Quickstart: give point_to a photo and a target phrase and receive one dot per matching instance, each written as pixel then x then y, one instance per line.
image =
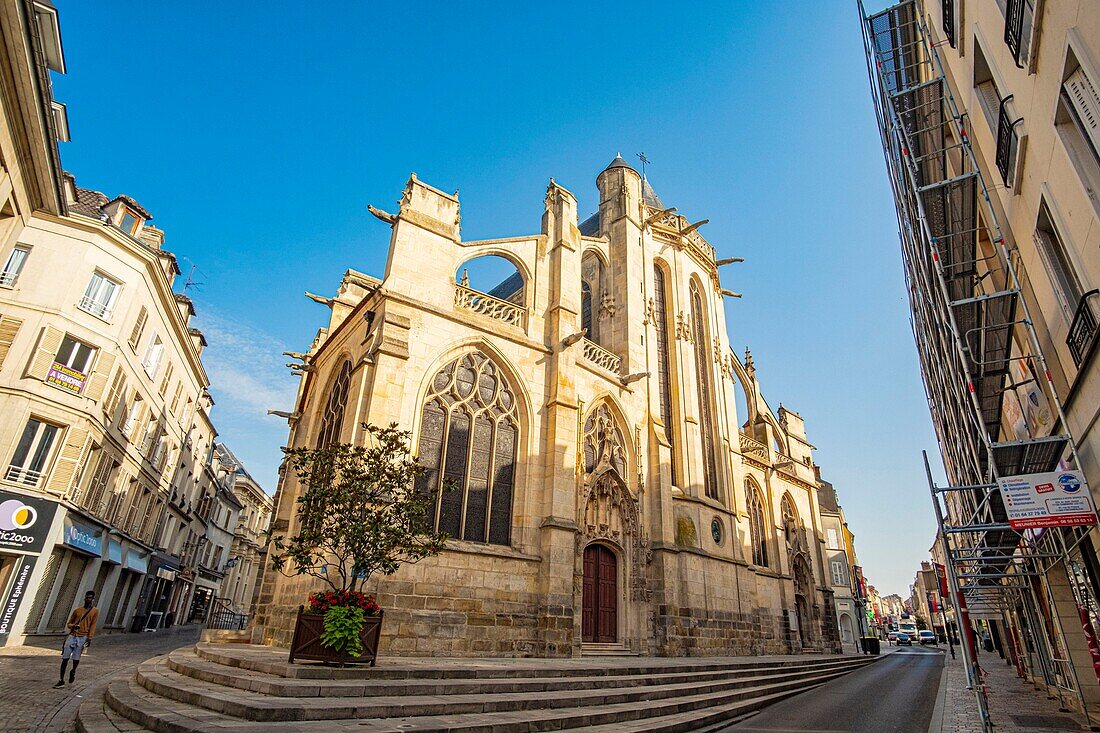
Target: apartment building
pixel 245 555
pixel 990 120
pixel 839 569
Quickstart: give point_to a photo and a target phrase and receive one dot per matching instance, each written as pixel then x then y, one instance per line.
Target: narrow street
pixel 29 703
pixel 894 695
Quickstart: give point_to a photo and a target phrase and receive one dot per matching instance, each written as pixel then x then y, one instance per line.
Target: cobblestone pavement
pixel 27 673
pixel 1015 705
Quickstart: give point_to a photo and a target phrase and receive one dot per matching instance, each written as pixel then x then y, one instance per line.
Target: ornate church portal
pixel 600 604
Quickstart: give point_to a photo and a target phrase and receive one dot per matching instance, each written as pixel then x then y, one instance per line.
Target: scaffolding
pixel 979 355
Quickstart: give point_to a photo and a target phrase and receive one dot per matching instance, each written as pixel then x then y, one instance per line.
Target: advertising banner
pixel 83 537
pixel 21 578
pixel 1055 499
pixel 65 378
pixel 24 522
pixel 941 575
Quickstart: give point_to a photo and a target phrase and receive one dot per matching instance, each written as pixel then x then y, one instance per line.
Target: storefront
pixel 157 600
pixel 25 524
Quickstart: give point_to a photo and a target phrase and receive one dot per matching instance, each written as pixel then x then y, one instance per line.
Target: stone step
pixel 95 716
pixel 606 650
pixel 258 659
pixel 159 714
pixel 157 676
pixel 187 662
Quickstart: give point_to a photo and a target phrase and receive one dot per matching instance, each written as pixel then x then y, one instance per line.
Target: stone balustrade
pixel 478 302
pixel 600 356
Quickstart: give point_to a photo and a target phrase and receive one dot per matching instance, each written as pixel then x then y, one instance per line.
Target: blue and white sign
pixel 83 537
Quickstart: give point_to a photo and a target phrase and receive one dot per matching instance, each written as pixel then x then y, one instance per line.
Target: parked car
pixel 903 639
pixel 925 636
pixel 892 636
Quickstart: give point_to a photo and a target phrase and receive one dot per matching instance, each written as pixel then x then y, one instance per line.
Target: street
pixel 27 672
pixel 895 694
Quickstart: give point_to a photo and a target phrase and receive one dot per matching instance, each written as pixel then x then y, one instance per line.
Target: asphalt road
pixel 894 695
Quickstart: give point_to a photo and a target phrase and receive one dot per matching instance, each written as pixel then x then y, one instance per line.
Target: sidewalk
pixel 1015 706
pixel 28 672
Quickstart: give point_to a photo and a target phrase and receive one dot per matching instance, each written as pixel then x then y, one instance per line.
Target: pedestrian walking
pixel 82 623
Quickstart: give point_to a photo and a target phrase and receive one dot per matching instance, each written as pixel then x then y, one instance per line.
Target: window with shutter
pixel 9 327
pixel 1063 275
pixel 98 381
pixel 153 356
pixel 114 397
pixel 166 379
pixel 1084 100
pixel 139 327
pixel 69 461
pixel 176 398
pixel 48 344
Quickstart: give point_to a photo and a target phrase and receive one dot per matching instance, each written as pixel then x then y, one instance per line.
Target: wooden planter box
pixel 307 645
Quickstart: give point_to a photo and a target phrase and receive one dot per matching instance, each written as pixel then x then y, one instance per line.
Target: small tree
pixel 359 514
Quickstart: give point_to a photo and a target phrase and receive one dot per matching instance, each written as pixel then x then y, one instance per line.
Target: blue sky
pixel 257 134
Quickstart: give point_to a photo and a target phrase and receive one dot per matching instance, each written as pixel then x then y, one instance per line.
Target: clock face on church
pixel 716 530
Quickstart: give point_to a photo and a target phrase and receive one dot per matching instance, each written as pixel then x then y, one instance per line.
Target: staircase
pixel 241 688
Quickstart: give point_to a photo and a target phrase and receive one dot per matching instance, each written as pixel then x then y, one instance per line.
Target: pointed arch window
pixel 332 420
pixel 757 534
pixel 592 292
pixel 664 365
pixel 469 433
pixel 706 393
pixel 790 518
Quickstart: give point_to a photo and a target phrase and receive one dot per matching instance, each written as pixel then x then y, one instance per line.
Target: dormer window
pixel 129 223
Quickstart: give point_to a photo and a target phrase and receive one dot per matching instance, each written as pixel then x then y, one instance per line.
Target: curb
pixel 935 725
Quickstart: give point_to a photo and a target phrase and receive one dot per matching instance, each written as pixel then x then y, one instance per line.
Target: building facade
pixel 989 113
pixel 610 496
pixel 245 555
pixel 840 569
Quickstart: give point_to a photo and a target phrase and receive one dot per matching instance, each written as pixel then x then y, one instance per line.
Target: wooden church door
pixel 600 596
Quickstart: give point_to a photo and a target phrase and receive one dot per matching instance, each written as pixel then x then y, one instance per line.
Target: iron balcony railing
pixel 1008 143
pixel 949 21
pixel 7 279
pixel 1019 18
pixel 223 617
pixel 100 310
pixel 1082 331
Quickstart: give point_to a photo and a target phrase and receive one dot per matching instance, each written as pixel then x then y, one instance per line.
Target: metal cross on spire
pixel 645 160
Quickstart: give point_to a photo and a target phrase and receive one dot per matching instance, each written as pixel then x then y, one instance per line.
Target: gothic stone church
pixel 609 495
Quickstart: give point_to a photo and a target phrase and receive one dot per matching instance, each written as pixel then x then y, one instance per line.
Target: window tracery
pixel 664 370
pixel 332 420
pixel 790 518
pixel 757 527
pixel 469 435
pixel 706 405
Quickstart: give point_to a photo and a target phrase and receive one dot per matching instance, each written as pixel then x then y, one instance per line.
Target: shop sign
pixel 24 566
pixel 83 537
pixel 135 560
pixel 114 551
pixel 24 522
pixel 1055 499
pixel 187 574
pixel 67 379
pixel 166 573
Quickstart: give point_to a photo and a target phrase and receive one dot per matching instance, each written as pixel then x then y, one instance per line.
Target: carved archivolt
pixel 608 511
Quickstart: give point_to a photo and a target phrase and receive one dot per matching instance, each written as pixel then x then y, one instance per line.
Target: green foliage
pixel 359 512
pixel 342 627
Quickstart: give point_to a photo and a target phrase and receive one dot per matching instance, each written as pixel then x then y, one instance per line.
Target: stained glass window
pixel 333 418
pixel 757 533
pixel 664 370
pixel 592 292
pixel 706 394
pixel 468 438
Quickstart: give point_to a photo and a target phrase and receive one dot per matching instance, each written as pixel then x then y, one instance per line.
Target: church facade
pixel 609 495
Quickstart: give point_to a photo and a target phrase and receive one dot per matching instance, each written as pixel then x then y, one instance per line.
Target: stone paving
pixel 27 673
pixel 1015 706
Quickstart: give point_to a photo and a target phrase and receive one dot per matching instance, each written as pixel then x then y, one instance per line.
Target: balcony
pixel 1008 142
pixel 26 476
pixel 1082 331
pixel 97 309
pixel 7 279
pixel 486 305
pixel 600 356
pixel 1019 21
